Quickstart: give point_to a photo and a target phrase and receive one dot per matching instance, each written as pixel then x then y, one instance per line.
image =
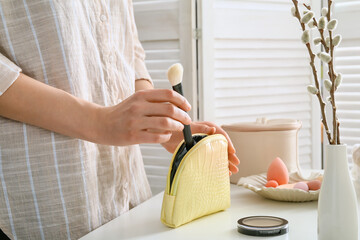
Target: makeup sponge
pixel 278 171
pixel 302 186
pixel 314 185
pixel 272 183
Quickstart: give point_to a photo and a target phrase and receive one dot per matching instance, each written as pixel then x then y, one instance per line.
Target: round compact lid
pixel 263 226
pixel 263 124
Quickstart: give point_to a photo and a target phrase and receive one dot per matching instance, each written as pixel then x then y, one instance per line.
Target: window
pixel 347 58
pixel 258 67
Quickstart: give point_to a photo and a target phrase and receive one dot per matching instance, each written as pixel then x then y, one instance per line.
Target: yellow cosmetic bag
pixel 198 181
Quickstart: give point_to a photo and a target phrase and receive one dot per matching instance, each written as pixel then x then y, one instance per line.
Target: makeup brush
pixel 175 74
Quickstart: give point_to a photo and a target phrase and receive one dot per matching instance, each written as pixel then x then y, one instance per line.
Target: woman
pixel 75 100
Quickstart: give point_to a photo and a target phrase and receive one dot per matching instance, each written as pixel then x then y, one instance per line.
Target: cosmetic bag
pixel 198 181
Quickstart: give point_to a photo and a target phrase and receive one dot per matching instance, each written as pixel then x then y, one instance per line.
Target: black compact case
pixel 263 226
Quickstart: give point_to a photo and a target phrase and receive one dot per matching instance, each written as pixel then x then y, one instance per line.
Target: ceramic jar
pixel 258 143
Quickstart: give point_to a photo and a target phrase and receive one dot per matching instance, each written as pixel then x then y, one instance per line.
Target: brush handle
pixel 188 137
pixel 189 142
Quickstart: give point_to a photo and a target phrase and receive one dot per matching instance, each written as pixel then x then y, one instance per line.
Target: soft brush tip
pixel 175 74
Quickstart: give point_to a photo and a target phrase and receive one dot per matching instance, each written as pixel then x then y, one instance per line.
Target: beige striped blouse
pixel 53 186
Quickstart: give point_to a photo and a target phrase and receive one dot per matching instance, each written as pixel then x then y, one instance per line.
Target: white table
pixel 143 221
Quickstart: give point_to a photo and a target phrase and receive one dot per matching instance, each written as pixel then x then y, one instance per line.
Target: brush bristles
pixel 175 74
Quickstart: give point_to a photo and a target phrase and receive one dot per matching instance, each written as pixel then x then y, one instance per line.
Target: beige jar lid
pixel 263 124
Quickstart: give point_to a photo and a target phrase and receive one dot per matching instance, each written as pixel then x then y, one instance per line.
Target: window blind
pixel 258 67
pixel 347 62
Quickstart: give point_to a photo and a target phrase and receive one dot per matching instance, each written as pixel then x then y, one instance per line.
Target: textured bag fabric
pixel 201 184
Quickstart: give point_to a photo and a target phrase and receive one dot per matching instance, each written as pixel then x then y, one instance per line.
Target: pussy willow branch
pixel 332 76
pixel 321 31
pixel 331 73
pixel 323 41
pixel 338 136
pixel 312 57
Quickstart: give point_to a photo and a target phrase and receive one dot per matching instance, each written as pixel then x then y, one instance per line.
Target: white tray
pixel 256 183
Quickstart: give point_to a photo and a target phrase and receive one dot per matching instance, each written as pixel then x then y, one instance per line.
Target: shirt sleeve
pixel 141 71
pixel 9 72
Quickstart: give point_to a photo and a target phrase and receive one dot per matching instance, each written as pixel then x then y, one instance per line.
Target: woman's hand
pixel 207 128
pixel 148 116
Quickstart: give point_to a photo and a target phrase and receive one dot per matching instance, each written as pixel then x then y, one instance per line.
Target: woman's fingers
pixel 202 128
pixel 148 116
pixel 233 158
pixel 221 131
pixel 153 137
pixel 231 146
pixel 161 123
pixel 166 110
pixel 233 168
pixel 164 95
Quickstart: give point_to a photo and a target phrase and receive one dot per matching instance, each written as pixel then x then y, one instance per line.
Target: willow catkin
pixel 336 40
pixel 317 41
pixel 338 80
pixel 307 17
pixel 327 84
pixel 327 41
pixel 322 23
pixel 305 38
pixel 311 89
pixel 324 11
pixel 293 11
pixel 332 25
pixel 324 57
pixel 311 24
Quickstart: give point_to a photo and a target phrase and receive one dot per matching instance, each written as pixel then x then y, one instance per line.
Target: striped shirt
pixel 53 186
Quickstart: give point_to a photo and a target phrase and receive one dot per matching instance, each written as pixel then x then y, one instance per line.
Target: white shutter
pixel 347 60
pixel 254 65
pixel 165 30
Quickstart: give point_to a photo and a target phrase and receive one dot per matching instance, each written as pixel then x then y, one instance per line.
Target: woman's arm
pixel 35 103
pixel 143 84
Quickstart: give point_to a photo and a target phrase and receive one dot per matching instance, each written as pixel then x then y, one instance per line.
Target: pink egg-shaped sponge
pixel 314 185
pixel 302 186
pixel 272 183
pixel 278 171
pixel 287 186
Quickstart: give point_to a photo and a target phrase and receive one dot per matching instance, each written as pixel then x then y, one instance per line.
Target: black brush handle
pixel 187 130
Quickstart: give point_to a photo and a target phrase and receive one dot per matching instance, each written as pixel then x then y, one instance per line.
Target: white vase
pixel 337 204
